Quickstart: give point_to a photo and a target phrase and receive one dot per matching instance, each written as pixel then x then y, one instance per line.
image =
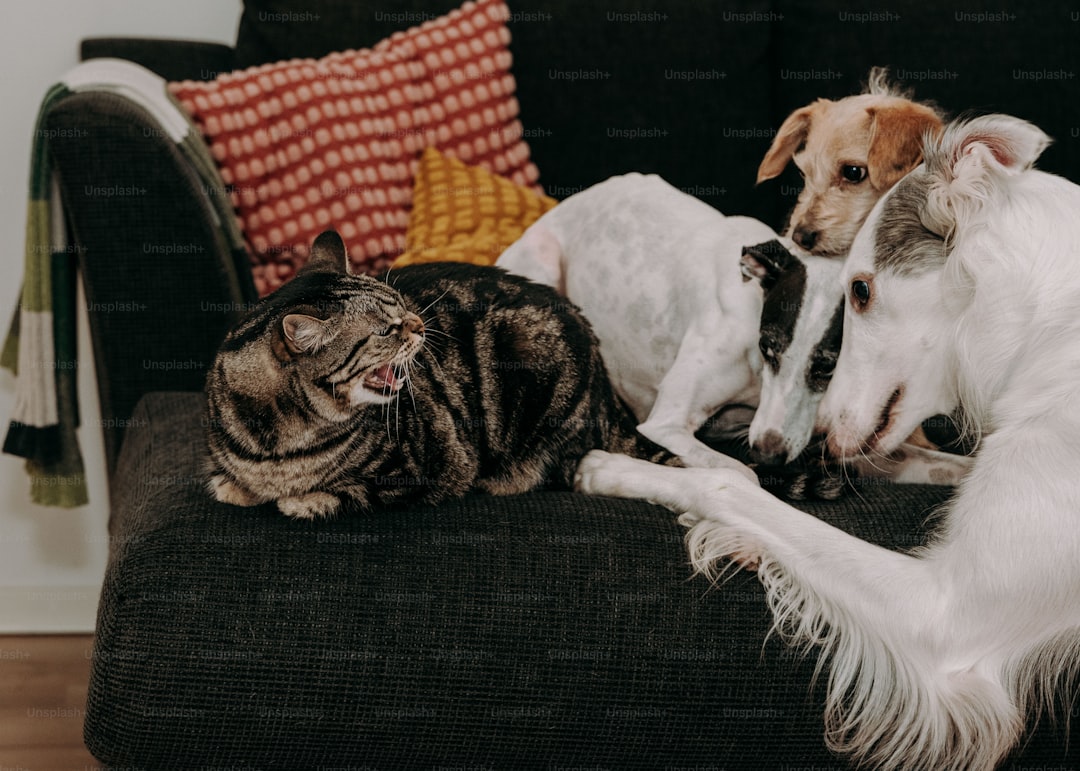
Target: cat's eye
pixel 384 331
pixel 861 293
pixel 852 173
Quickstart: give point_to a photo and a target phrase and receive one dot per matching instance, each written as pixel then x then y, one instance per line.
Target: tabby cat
pixel 447 378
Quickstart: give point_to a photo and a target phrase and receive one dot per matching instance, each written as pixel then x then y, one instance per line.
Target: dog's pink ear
pixel 969 161
pixel 897 133
pixel 792 133
pixel 990 142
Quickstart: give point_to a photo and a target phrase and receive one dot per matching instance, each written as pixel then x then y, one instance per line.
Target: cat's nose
pixel 412 323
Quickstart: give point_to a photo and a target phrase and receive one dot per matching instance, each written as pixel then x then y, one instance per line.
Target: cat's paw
pixel 309 506
pixel 227 491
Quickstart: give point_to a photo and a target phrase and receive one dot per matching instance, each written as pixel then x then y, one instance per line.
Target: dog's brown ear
pixel 792 133
pixel 896 140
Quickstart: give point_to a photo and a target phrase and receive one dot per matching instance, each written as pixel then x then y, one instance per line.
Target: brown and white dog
pixel 850 153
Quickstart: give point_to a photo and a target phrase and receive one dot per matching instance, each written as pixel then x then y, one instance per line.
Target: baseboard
pixel 48 609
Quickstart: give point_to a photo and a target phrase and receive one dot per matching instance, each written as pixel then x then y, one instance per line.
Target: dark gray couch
pixel 550 630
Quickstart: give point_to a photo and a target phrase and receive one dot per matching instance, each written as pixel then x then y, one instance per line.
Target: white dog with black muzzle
pixel 693 312
pixel 962 289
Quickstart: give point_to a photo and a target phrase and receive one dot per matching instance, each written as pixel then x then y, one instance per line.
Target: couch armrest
pixel 161 285
pixel 171 59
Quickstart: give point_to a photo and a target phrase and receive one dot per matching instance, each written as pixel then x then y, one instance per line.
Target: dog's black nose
pixel 805 238
pixel 769 450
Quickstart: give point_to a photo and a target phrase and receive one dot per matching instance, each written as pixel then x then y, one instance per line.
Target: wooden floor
pixel 42 703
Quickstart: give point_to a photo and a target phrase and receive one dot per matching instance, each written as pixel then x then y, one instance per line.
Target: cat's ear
pixel 328 254
pixel 305 334
pixel 765 263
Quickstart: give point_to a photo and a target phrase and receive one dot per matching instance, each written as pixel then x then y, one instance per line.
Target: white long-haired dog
pixel 963 288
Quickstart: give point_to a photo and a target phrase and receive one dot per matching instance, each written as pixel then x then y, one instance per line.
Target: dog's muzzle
pixel 770 450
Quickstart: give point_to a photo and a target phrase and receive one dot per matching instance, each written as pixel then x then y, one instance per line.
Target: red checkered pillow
pixel 305 145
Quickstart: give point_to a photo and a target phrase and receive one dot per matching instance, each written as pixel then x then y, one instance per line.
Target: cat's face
pixel 359 354
pixel 354 346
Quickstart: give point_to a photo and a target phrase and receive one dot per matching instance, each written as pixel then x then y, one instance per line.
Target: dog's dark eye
pixel 861 293
pixel 823 368
pixel 855 174
pixel 821 372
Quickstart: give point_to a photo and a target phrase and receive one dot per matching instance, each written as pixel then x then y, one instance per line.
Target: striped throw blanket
pixel 41 345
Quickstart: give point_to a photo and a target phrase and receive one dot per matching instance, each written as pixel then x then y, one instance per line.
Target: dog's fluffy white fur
pixel 937 658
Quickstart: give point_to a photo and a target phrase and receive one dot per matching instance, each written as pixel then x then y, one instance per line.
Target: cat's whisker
pixel 431 329
pixel 387 279
pixel 442 334
pixel 397 419
pixel 439 347
pixel 434 360
pixel 408 382
pixel 428 307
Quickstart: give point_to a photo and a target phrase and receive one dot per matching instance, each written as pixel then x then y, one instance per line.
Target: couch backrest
pixel 695 90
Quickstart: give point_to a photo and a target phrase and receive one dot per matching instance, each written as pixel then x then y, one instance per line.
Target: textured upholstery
pixel 542 630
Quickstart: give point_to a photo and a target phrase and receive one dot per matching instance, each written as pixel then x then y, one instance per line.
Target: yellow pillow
pixel 464 213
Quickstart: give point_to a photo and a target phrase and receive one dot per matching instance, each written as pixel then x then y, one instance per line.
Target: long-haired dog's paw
pixel 715 549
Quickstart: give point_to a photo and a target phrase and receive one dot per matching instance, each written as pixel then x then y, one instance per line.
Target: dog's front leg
pixel 729 518
pixel 916 680
pixel 701 380
pixel 914 465
pixel 688 492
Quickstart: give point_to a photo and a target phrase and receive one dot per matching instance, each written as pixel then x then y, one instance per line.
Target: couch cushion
pixel 465 213
pixel 530 631
pixel 305 145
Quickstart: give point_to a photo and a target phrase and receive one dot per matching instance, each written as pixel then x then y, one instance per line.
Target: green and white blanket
pixel 41 346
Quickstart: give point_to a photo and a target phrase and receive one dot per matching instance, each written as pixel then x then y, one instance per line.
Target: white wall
pixel 52 560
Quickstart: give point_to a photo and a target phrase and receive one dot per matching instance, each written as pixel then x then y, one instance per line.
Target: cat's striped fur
pixel 444 379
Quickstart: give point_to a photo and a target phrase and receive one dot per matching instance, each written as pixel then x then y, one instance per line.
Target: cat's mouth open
pixel 389 377
pixel 381 384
